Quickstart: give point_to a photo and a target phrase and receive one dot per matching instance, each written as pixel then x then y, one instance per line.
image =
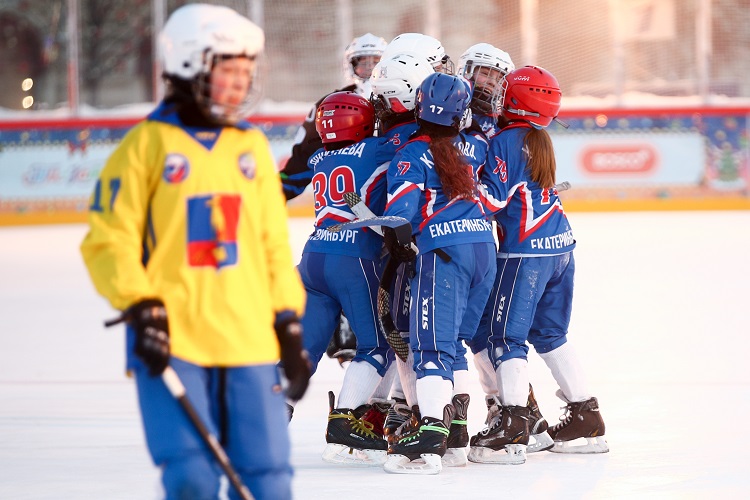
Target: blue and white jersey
pixel 416 194
pixel 487 123
pixel 531 220
pixel 359 168
pixel 398 135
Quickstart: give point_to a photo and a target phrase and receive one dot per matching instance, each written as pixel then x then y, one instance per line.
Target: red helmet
pixel 531 94
pixel 344 116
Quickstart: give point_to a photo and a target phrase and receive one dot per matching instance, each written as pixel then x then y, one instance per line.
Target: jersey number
pixel 114 188
pixel 332 186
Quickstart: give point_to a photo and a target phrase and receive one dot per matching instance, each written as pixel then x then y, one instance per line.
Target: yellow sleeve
pixel 113 248
pixel 287 291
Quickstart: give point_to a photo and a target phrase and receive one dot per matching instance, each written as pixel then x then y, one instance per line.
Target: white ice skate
pixel 427 464
pixel 345 455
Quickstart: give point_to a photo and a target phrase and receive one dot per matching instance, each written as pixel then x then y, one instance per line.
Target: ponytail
pixel 541 157
pixel 455 173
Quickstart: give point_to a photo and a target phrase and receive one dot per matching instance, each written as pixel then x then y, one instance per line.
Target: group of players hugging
pixel 188 238
pixel 450 148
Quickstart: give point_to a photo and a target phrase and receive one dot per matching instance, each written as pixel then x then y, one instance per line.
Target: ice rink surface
pixel 660 320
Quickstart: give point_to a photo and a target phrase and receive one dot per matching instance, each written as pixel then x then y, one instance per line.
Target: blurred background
pixel 656 92
pixel 100 53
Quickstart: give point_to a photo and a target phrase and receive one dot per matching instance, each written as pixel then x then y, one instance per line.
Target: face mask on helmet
pixel 443 99
pixel 395 81
pixel 344 117
pixel 485 66
pixel 361 56
pixel 210 46
pixel 531 94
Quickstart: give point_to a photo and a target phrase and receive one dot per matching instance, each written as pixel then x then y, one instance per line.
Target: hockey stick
pixel 392 334
pixel 391 221
pixel 177 390
pixel 174 384
pixel 361 210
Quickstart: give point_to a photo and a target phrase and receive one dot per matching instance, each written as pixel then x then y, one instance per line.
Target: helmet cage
pixel 225 114
pixel 195 38
pixel 365 45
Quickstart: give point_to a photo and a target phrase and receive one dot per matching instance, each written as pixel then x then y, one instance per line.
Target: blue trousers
pixel 447 304
pixel 336 283
pixel 243 406
pixel 531 300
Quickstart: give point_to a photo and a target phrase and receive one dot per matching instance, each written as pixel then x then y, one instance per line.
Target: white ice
pixel 660 321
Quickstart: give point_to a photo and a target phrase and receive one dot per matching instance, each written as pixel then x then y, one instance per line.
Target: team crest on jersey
pixel 247 165
pixel 212 227
pixel 176 168
pixel 501 168
pixel 403 167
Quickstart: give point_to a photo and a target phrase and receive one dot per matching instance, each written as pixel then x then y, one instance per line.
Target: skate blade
pixel 455 457
pixel 592 445
pixel 340 454
pixel 541 442
pixel 511 454
pixel 427 465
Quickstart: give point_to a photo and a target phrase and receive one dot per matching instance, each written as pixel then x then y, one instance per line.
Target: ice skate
pixel 351 440
pixel 505 439
pixel 376 414
pixel 398 413
pixel 581 429
pixel 539 439
pixel 421 451
pixel 458 439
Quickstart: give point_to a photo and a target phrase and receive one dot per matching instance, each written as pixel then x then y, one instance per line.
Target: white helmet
pixel 492 64
pixel 365 45
pixel 194 36
pixel 423 46
pixel 395 82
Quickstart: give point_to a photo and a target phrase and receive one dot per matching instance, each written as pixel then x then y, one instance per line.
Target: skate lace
pixel 361 427
pixel 494 418
pixel 415 435
pixel 565 418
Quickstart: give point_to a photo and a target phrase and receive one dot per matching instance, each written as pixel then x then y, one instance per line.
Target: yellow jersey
pixel 196 217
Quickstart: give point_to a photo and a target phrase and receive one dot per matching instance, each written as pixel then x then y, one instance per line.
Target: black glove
pixel 149 320
pixel 294 360
pixel 399 251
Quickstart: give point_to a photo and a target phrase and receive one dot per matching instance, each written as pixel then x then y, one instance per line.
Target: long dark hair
pixel 450 164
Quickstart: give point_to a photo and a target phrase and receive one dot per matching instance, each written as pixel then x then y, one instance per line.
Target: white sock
pixel 487 377
pixel 360 381
pixel 384 387
pixel 461 382
pixel 433 393
pixel 408 379
pixel 396 390
pixel 513 381
pixel 567 372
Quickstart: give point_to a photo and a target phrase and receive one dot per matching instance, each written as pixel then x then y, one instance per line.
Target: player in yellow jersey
pixel 188 237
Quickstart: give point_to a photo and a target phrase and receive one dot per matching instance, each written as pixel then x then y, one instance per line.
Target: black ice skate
pixel 458 439
pixel 398 413
pixel 582 421
pixel 351 440
pixel 539 439
pixel 420 451
pixel 504 440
